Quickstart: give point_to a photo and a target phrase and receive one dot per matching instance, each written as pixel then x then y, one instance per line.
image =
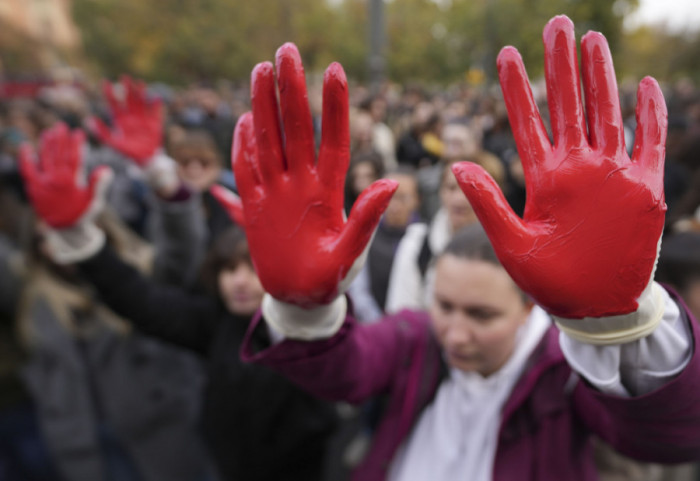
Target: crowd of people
pixel 156 327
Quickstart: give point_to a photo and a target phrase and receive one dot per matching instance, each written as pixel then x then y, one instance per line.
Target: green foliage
pixel 19 53
pixel 180 41
pixel 665 56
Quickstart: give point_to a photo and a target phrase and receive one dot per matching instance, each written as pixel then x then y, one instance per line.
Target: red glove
pixel 138 122
pixel 54 184
pixel 300 243
pixel 593 218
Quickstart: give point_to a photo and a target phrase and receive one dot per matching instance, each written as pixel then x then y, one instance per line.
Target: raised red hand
pixel 58 192
pixel 138 122
pixel 301 245
pixel 588 241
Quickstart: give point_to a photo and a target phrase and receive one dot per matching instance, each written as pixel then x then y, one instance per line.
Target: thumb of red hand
pixel 364 217
pixel 231 203
pixel 502 225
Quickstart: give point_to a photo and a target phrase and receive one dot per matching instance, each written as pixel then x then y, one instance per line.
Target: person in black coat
pixel 258 426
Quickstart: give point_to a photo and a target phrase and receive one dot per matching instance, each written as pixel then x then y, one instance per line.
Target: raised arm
pixel 68 203
pixel 179 233
pixel 587 244
pixel 304 250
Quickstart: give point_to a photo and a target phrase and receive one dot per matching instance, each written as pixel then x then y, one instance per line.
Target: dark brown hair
pixel 228 251
pixel 471 242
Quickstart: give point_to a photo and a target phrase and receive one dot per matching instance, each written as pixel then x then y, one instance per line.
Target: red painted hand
pixel 300 243
pixel 588 241
pixel 54 184
pixel 138 122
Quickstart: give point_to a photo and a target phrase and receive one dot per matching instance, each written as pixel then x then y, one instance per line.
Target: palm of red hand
pixel 307 220
pixel 56 194
pixel 138 136
pixel 591 232
pixel 589 237
pixel 138 122
pixel 301 245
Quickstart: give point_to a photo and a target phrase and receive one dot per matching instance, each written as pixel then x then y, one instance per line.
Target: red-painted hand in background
pixel 301 245
pixel 56 188
pixel 138 122
pixel 588 241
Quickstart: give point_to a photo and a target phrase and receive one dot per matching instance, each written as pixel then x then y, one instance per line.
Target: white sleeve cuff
pixel 293 322
pixel 161 173
pixel 75 244
pixel 634 368
pixel 610 330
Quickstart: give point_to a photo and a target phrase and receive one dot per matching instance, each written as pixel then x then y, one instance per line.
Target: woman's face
pixel 363 175
pixel 197 167
pixel 240 289
pixel 459 210
pixel 404 203
pixel 476 313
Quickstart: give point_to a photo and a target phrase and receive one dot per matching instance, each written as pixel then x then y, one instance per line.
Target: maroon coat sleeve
pixel 661 426
pixel 359 361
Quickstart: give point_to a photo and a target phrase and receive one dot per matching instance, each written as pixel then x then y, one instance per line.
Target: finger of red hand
pixel 602 100
pixel 74 141
pixel 334 155
pixel 364 217
pixel 62 158
pixel 266 122
pixel 650 136
pixel 100 129
pixel 135 96
pixel 563 83
pixel 52 148
pixel 524 116
pixel 505 229
pixel 231 203
pixel 245 158
pixel 294 105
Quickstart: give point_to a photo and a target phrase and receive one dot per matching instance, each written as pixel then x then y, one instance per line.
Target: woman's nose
pixel 458 334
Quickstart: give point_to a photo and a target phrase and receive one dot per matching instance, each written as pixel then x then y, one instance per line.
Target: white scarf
pixel 456 436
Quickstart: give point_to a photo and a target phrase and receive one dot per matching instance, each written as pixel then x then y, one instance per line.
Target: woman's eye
pixel 482 315
pixel 445 307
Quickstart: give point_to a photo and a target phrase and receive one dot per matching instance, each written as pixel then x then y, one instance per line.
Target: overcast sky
pixel 678 15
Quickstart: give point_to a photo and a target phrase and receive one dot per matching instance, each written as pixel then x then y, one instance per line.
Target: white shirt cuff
pixel 293 322
pixel 634 368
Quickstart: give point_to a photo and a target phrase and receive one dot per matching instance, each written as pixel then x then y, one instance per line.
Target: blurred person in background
pixel 369 289
pixel 382 136
pixel 412 270
pixel 365 168
pixel 361 139
pixel 410 148
pixel 679 267
pixel 258 426
pixel 24 455
pixel 461 142
pixel 200 166
pixel 113 404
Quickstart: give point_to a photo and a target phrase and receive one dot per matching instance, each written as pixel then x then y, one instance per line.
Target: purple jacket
pixel 546 422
